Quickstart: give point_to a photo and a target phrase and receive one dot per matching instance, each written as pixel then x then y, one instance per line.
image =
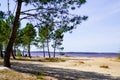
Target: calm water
pixel 77 54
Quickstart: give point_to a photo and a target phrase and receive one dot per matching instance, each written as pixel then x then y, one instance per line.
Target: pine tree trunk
pixel 14 50
pixel 48 48
pixel 43 50
pixel 54 49
pixel 29 51
pixel 13 35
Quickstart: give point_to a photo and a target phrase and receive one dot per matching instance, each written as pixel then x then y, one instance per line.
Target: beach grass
pixel 55 59
pixel 104 66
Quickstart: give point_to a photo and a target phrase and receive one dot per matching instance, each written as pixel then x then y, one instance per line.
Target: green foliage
pixel 29 34
pixel 5 30
pixel 10 20
pixel 46 31
pixel 40 77
pixel 52 18
pixel 82 1
pixel 2 15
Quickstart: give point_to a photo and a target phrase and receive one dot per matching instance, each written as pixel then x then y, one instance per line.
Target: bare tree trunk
pixel 54 49
pixel 48 48
pixel 13 35
pixel 29 51
pixel 43 50
pixel 14 51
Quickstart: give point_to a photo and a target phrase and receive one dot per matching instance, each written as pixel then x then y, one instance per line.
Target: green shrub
pixel 55 59
pixel 40 77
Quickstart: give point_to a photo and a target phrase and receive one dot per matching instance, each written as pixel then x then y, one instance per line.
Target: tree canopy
pixel 53 15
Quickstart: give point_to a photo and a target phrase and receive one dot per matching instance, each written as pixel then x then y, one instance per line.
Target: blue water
pixel 77 54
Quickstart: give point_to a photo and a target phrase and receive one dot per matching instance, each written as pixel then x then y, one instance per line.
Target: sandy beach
pixel 91 64
pixel 105 68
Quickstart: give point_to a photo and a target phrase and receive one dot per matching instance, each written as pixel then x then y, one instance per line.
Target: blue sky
pixel 100 33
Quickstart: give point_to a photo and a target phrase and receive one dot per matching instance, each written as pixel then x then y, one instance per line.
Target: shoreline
pixel 78 54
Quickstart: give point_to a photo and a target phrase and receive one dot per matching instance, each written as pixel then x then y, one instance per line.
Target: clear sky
pixel 100 33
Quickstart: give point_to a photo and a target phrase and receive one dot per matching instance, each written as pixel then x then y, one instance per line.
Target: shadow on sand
pixel 59 73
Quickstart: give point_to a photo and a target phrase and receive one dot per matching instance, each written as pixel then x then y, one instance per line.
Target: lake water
pixel 77 54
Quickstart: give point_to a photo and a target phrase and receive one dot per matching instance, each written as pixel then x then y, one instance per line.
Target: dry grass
pixel 104 66
pixel 8 74
pixel 41 59
pixel 54 59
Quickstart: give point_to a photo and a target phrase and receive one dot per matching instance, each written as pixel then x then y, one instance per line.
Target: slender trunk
pixel 43 50
pixel 29 51
pixel 1 51
pixel 48 48
pixel 54 49
pixel 1 54
pixel 14 50
pixel 13 35
pixel 8 8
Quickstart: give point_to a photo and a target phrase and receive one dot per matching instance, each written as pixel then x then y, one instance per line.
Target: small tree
pixel 45 34
pixel 28 36
pixel 57 39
